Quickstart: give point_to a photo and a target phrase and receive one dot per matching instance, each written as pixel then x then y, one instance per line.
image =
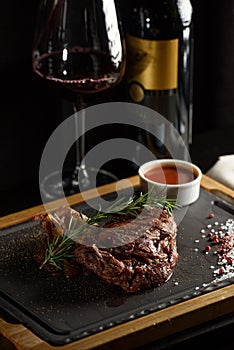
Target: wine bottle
pixel 159 66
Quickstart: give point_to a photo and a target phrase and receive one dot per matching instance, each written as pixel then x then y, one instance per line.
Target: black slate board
pixel 61 310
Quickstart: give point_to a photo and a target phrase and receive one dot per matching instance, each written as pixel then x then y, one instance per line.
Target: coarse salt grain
pixel 223 241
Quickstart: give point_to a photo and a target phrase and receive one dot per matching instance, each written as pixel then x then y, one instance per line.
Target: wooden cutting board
pixel 154 326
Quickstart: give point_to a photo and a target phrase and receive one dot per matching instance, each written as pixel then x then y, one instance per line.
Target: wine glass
pixel 79 49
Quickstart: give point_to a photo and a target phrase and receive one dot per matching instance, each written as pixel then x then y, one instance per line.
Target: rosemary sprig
pixel 57 251
pixel 60 248
pixel 135 204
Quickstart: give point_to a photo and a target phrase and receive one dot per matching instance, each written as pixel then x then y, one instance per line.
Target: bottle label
pixel 153 64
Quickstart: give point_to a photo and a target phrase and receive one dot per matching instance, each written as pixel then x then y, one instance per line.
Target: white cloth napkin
pixel 223 170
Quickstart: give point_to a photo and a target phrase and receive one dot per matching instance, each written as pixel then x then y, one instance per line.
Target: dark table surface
pixel 217 334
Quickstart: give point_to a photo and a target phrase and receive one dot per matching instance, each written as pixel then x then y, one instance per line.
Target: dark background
pixel 30 113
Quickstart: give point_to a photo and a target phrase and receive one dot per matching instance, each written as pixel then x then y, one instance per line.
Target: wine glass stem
pixel 80 143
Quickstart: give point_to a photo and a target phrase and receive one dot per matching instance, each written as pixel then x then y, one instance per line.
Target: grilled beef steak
pixel 133 253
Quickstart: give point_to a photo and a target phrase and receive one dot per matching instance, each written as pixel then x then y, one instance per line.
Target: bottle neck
pixel 158 20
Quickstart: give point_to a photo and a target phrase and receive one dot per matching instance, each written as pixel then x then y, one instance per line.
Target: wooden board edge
pixel 151 327
pixel 28 214
pixel 210 184
pixel 207 183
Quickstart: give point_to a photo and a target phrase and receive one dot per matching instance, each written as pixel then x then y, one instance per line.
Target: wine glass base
pixel 53 188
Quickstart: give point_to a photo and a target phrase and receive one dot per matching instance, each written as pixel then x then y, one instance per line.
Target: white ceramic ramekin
pixel 183 193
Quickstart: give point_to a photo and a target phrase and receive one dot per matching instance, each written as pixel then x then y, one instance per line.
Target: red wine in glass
pixel 79 50
pixel 86 71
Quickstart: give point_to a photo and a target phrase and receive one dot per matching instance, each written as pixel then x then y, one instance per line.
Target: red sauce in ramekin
pixel 170 174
